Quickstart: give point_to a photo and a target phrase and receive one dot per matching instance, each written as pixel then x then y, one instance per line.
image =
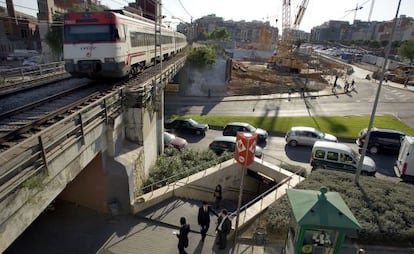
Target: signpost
pixel 244 155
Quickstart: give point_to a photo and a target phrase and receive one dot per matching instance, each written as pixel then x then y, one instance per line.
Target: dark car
pixel 231 129
pixel 228 143
pixel 170 140
pixel 381 140
pixel 186 125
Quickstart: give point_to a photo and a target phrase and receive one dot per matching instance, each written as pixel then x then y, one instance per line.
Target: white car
pixel 307 136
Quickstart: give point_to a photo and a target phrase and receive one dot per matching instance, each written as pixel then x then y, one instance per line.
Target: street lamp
pixel 374 108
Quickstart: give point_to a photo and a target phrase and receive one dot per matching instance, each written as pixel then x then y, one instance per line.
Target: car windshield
pixel 250 128
pixel 355 154
pixel 319 133
pixel 168 137
pixel 192 122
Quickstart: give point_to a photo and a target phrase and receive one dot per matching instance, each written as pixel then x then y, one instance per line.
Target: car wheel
pixel 373 149
pixel 293 143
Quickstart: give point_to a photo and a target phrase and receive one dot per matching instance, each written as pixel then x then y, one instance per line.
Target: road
pixel 392 101
pixel 276 152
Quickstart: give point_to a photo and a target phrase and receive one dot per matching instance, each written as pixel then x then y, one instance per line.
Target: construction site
pixel 290 68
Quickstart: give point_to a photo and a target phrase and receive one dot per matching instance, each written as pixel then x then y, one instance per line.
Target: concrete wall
pixel 88 189
pixel 22 207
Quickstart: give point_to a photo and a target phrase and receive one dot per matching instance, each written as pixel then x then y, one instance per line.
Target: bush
pixel 384 209
pixel 174 165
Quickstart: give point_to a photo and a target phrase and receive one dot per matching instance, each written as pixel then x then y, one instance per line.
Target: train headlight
pixel 109 60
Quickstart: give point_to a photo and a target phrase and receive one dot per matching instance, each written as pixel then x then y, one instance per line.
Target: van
pixel 405 160
pixel 381 140
pixel 337 156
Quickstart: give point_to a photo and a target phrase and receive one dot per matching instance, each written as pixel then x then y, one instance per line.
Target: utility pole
pixel 374 108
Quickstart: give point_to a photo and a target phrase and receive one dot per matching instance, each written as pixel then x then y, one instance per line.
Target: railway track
pixel 22 122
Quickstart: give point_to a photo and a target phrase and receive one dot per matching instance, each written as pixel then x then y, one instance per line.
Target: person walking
pixel 204 219
pixel 352 85
pixel 183 236
pixel 218 196
pixel 406 83
pixel 223 229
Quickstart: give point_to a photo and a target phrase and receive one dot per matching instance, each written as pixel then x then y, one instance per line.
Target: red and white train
pixel 114 44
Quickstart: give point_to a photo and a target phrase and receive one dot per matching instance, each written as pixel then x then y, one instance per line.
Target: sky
pixel 317 11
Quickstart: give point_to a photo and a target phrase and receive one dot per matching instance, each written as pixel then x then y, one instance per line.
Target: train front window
pixel 90 33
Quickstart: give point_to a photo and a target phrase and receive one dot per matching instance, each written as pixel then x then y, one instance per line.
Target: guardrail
pixel 30 73
pixel 32 156
pixel 264 194
pixel 179 176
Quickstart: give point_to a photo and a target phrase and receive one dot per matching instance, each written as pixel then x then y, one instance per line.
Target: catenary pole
pixel 374 108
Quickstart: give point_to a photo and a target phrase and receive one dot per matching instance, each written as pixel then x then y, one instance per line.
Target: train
pixel 114 44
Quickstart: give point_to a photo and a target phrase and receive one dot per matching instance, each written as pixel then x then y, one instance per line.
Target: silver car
pixel 307 136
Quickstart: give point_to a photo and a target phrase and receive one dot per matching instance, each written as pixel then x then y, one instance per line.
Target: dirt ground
pixel 248 78
pixel 254 78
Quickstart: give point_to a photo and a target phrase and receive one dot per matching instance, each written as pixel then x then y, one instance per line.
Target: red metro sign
pixel 245 148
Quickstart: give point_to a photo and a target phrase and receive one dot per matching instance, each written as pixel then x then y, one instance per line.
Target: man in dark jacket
pixel 204 218
pixel 183 236
pixel 223 229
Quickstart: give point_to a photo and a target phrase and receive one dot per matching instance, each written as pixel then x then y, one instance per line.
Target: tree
pixel 406 50
pixel 203 55
pixel 220 33
pixel 54 37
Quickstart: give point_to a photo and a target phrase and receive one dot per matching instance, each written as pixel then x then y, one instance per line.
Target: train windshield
pixel 90 33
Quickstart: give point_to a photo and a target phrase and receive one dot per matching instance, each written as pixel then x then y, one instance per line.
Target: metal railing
pixel 177 177
pixel 33 155
pixel 264 194
pixel 30 73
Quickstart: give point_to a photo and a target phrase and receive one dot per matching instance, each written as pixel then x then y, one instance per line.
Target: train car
pixel 114 44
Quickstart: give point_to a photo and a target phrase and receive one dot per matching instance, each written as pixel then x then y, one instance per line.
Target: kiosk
pixel 320 221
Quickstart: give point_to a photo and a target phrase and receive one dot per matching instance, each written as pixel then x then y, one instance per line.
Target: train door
pixel 127 44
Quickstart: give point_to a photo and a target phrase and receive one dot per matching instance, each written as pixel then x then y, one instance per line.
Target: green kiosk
pixel 320 221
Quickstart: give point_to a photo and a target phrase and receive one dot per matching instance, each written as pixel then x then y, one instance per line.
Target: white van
pixel 341 157
pixel 405 161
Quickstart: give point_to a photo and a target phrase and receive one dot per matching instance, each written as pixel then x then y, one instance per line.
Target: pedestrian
pixel 406 83
pixel 352 87
pixel 183 236
pixel 204 219
pixel 218 196
pixel 346 86
pixel 223 229
pixel 336 79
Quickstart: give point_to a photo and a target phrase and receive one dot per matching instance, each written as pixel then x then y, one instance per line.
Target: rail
pixel 32 156
pixel 32 73
pixel 264 194
pixel 179 176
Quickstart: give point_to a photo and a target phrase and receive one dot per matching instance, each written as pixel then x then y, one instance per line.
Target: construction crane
pixel 357 8
pixel 284 59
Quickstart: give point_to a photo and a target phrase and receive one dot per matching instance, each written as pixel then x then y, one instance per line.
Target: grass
pixel 340 126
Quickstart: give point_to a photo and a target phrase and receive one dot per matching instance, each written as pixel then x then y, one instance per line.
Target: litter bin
pixel 260 236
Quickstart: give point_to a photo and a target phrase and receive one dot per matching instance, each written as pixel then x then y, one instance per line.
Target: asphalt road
pixel 276 152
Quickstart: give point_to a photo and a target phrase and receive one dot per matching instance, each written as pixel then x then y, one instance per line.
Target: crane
pixel 284 60
pixel 357 8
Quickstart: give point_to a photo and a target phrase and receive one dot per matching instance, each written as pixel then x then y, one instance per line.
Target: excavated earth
pixel 253 78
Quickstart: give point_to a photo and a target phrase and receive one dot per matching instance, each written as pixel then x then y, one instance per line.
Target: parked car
pixel 381 140
pixel 231 129
pixel 405 160
pixel 228 143
pixel 301 135
pixel 170 140
pixel 337 156
pixel 186 125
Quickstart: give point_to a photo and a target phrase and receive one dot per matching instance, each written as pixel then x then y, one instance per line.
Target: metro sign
pixel 245 148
